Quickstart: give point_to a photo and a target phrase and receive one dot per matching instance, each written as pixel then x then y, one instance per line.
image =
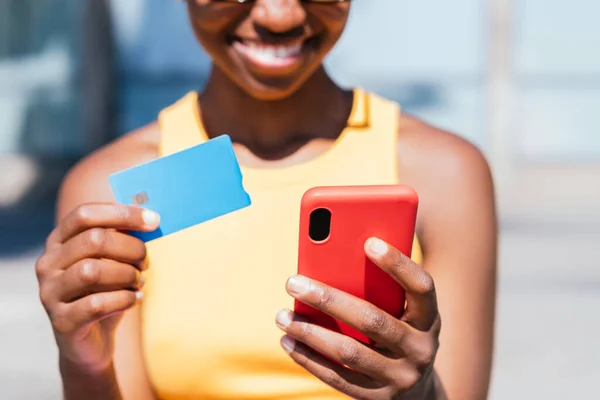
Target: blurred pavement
pixel 548 324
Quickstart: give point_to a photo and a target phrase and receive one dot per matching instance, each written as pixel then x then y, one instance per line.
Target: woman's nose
pixel 279 16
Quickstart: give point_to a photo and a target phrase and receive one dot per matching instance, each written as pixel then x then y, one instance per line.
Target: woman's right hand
pixel 89 274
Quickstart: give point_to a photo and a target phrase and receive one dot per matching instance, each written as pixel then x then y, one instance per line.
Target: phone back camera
pixel 320 225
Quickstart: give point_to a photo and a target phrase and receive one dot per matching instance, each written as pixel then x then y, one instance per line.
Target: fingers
pixel 69 318
pixel 422 308
pixel 101 215
pixel 92 276
pixel 98 243
pixel 370 374
pixel 337 376
pixel 335 346
pixel 380 326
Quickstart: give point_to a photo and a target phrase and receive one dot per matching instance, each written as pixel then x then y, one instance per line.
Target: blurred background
pixel 521 79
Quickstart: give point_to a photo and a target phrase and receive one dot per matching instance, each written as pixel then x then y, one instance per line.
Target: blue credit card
pixel 185 188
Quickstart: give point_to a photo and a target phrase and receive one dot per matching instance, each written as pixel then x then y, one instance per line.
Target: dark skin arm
pixel 457 228
pixel 458 232
pixel 109 366
pixel 77 385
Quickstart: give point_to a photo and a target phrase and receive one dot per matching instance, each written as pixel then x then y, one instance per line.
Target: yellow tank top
pixel 213 290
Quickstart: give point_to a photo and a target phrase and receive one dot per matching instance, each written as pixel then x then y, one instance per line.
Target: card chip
pixel 141 199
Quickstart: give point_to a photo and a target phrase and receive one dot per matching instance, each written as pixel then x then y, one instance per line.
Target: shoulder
pixel 451 175
pixel 88 180
pixel 435 150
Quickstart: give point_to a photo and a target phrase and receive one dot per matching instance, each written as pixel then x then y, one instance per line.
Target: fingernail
pixel 150 218
pixel 284 318
pixel 139 296
pixel 377 247
pixel 142 281
pixel 298 285
pixel 288 344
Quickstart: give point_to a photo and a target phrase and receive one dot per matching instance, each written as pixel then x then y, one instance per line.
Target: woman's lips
pixel 271 56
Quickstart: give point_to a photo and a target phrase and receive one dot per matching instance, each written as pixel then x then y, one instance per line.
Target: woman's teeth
pixel 271 55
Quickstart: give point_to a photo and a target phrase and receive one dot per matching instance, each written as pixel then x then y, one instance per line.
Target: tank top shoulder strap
pixel 179 125
pixel 372 130
pixel 384 118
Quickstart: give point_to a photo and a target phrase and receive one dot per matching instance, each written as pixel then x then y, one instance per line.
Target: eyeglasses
pixel 303 1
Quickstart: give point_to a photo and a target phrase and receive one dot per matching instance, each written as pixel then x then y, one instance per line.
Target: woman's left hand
pixel 401 367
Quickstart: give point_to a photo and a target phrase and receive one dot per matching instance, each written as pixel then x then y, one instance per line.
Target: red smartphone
pixel 335 223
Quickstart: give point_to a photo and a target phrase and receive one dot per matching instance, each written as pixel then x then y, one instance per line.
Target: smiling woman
pixel 274 51
pixel 208 325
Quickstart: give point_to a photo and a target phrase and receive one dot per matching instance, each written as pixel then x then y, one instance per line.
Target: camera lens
pixel 320 224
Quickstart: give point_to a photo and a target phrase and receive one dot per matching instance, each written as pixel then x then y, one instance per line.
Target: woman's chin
pixel 271 89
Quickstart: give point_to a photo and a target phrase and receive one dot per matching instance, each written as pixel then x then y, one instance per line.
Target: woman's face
pixel 268 47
